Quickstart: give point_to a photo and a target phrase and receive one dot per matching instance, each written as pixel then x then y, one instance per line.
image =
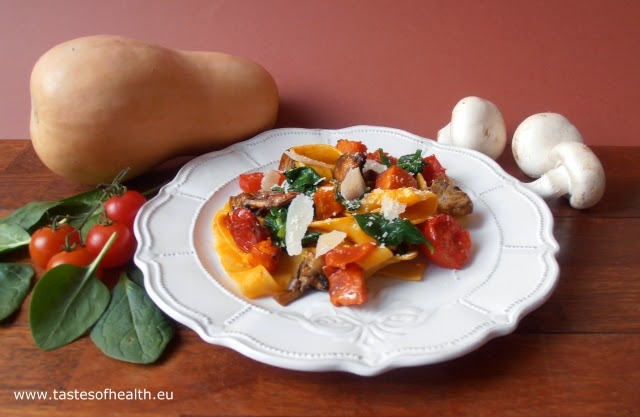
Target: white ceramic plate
pixel 512 271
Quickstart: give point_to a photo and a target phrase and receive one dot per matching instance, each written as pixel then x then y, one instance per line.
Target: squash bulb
pixel 103 103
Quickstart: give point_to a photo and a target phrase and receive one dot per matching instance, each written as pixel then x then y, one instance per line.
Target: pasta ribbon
pixel 420 204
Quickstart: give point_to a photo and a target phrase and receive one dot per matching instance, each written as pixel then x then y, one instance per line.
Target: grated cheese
pixel 391 209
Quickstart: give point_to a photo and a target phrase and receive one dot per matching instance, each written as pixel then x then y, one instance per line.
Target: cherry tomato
pixel 451 243
pixel 266 254
pixel 78 256
pixel 341 256
pixel 47 241
pixel 432 169
pixel 251 182
pixel 346 286
pixel 245 229
pixel 124 208
pixel 122 249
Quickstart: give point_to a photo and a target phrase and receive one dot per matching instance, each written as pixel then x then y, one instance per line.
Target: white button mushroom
pixel 476 124
pixel 534 138
pixel 576 173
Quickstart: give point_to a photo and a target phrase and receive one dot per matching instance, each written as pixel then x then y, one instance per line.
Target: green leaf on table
pixel 15 280
pixel 67 301
pixel 31 215
pixel 12 236
pixel 133 329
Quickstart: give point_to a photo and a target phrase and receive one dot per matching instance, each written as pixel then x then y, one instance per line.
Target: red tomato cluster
pixel 53 246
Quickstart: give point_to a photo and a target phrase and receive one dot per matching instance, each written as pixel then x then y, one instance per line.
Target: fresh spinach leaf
pixel 390 232
pixel 412 163
pixel 12 236
pixel 15 280
pixel 133 328
pixel 66 302
pixel 31 215
pixel 303 179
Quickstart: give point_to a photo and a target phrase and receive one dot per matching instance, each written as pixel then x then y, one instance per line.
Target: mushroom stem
pixel 444 135
pixel 577 174
pixel 553 184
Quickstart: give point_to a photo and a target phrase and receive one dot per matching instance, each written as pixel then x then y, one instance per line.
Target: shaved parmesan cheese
pixel 391 209
pixel 306 160
pixel 353 185
pixel 299 216
pixel 375 166
pixel 328 241
pixel 270 180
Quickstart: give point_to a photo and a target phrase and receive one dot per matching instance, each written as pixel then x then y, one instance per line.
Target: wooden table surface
pixel 576 355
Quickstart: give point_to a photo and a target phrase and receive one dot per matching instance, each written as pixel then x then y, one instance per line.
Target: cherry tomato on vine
pixel 47 241
pixel 124 208
pixel 123 248
pixel 78 256
pixel 451 243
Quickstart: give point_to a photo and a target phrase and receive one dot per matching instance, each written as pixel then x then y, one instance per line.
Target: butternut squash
pixel 103 103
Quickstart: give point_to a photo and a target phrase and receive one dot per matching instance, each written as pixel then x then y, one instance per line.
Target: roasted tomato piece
pixel 251 182
pixel 451 243
pixel 351 146
pixel 432 169
pixel 395 177
pixel 265 253
pixel 346 286
pixel 245 229
pixel 325 204
pixel 341 256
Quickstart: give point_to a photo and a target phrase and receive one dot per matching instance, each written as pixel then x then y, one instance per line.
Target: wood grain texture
pixel 576 355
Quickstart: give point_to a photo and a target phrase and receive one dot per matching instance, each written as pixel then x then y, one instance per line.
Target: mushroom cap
pixel 477 124
pixel 584 171
pixel 534 138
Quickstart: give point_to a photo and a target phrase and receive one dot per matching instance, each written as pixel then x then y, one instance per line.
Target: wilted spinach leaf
pixel 275 222
pixel 390 232
pixel 412 163
pixel 15 280
pixel 303 179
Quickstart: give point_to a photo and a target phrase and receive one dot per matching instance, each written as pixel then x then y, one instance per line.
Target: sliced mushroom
pixel 286 163
pixel 346 162
pixel 451 199
pixel 309 276
pixel 262 200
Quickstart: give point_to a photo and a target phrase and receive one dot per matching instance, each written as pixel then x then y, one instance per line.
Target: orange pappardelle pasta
pixel 330 217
